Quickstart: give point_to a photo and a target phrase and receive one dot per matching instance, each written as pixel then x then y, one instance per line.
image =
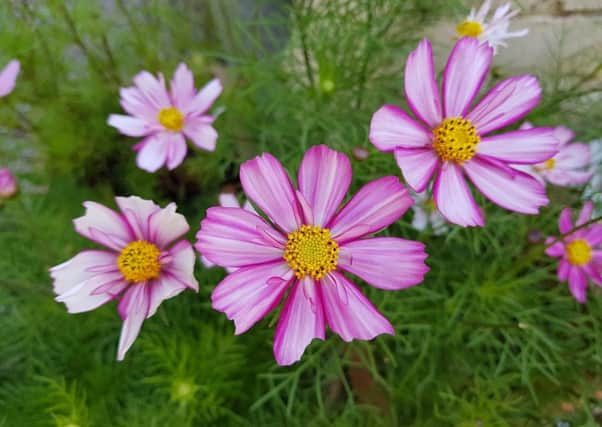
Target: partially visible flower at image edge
pixel 8 77
pixel 494 32
pixel 450 138
pixel 140 265
pixel 580 252
pixel 165 118
pixel 306 247
pixel 8 183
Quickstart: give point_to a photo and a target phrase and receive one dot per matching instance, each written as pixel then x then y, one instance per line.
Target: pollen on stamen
pixel 139 261
pixel 310 251
pixel 455 139
pixel 578 252
pixel 469 29
pixel 171 118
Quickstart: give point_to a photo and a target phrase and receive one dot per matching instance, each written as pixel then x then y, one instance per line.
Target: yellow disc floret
pixel 310 251
pixel 469 29
pixel 139 261
pixel 455 139
pixel 171 118
pixel 578 252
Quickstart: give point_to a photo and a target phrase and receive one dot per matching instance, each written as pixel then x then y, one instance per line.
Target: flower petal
pixel 593 235
pixel 527 146
pixel 250 293
pixel 205 98
pixel 130 126
pixel 563 134
pixel 228 200
pixel 176 150
pixel 181 264
pixel 573 156
pixel 385 262
pixel 555 250
pixel 375 206
pixel 133 308
pixel 94 292
pixel 565 223
pixel 135 104
pixel 266 183
pixel 417 166
pixel 585 214
pixel 301 320
pixel 508 188
pixel 182 87
pixel 231 237
pixel 348 312
pixel 166 225
pixel 161 289
pixel 506 103
pixel 104 226
pixel 138 212
pixel 153 89
pixel 8 77
pixel 201 133
pixel 391 127
pixel 454 199
pixel 578 284
pixel 464 74
pixel 153 152
pixel 324 178
pixel 567 178
pixel 563 270
pixel 420 85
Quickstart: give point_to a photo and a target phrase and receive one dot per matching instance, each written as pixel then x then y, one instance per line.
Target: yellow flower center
pixel 549 164
pixel 310 251
pixel 578 252
pixel 139 261
pixel 469 29
pixel 171 118
pixel 455 139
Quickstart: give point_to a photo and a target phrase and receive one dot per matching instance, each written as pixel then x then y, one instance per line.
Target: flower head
pixel 451 138
pixel 304 248
pixel 140 265
pixel 165 118
pixel 8 183
pixel 8 77
pixel 493 32
pixel 580 252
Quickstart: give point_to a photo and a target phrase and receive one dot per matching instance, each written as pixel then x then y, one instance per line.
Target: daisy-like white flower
pixel 8 183
pixel 140 264
pixel 451 138
pixel 425 214
pixel 8 77
pixel 165 118
pixel 305 248
pixel 493 32
pixel 568 167
pixel 580 252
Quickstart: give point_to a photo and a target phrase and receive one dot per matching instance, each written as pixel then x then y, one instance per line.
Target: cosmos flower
pixel 568 167
pixel 140 264
pixel 425 214
pixel 8 77
pixel 305 248
pixel 165 118
pixel 580 252
pixel 8 183
pixel 493 32
pixel 593 190
pixel 451 138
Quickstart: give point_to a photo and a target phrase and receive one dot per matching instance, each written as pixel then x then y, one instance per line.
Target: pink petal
pixel 182 87
pixel 153 90
pixel 130 126
pixel 555 250
pixel 135 104
pixel 80 268
pixel 585 214
pixel 231 237
pixel 180 265
pixel 161 289
pixel 567 178
pixel 385 262
pixel 205 98
pixel 420 85
pixel 250 293
pixel 593 235
pixel 565 224
pixel 594 273
pixel 85 297
pixel 578 284
pixel 417 166
pixel 137 212
pixel 201 133
pixel 228 200
pixel 573 156
pixel 506 103
pixel 464 74
pixel 176 150
pixel 375 206
pixel 153 152
pixel 453 198
pixel 104 226
pixel 528 146
pixel 166 225
pixel 564 135
pixel 563 270
pixel 8 77
pixel 508 188
pixel 301 320
pixel 348 312
pixel 324 178
pixel 391 127
pixel 267 184
pixel 133 308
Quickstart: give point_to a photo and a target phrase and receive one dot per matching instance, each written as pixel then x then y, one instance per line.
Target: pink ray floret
pixel 8 183
pixel 8 77
pixel 299 254
pixel 140 264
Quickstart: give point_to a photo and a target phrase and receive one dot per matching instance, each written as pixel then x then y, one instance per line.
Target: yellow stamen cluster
pixel 310 251
pixel 171 118
pixel 578 252
pixel 455 139
pixel 469 29
pixel 139 261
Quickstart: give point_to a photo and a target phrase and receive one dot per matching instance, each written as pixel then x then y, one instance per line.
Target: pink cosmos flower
pixel 140 263
pixel 8 77
pixel 451 138
pixel 568 167
pixel 305 248
pixel 8 183
pixel 164 118
pixel 580 252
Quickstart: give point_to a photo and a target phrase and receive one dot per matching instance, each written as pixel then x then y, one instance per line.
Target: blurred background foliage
pixel 489 339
